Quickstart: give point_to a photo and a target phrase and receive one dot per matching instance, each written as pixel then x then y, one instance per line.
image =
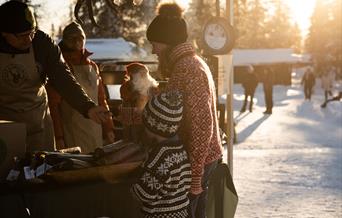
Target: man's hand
pixel 99 114
pixel 60 143
pixel 110 137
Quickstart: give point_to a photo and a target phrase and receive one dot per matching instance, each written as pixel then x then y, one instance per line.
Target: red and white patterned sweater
pixel 199 130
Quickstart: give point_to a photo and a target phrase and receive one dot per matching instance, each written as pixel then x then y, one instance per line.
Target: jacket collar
pixel 77 57
pixel 179 52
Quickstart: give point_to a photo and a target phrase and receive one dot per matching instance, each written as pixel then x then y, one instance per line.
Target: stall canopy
pixel 114 49
pixel 244 57
pixel 120 49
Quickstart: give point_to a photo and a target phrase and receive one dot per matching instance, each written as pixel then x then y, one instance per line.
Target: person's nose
pixel 27 40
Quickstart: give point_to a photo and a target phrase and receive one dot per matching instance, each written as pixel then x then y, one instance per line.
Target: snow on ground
pixel 288 164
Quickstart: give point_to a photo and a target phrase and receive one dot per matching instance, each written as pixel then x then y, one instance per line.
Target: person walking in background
pixel 308 82
pixel 327 80
pixel 28 57
pixel 166 173
pixel 191 76
pixel 249 85
pixel 268 80
pixel 71 128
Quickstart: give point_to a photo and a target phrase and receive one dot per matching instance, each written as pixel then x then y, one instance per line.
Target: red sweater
pixel 199 130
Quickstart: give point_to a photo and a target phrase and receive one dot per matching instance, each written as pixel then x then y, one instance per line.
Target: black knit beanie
pixel 163 113
pixel 168 26
pixel 16 17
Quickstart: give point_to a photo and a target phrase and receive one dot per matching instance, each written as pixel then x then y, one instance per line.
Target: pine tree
pixel 196 16
pixel 129 22
pixel 251 25
pixel 280 32
pixel 324 40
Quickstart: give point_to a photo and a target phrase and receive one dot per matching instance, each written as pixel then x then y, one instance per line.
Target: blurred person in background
pixel 71 128
pixel 327 80
pixel 249 84
pixel 268 81
pixel 28 58
pixel 308 82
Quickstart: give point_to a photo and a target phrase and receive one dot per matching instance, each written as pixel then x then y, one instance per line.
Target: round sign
pixel 217 36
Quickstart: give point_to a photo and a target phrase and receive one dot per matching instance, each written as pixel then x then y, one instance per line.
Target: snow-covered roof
pixel 107 49
pixel 114 49
pixel 243 57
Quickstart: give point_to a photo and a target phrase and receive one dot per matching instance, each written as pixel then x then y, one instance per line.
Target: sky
pixel 301 11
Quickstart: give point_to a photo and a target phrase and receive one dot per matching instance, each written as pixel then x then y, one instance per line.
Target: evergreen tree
pixel 256 27
pixel 196 16
pixel 129 22
pixel 250 25
pixel 324 40
pixel 280 32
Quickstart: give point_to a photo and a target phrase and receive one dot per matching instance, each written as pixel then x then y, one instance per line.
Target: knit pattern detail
pixel 178 214
pixel 165 182
pixel 199 129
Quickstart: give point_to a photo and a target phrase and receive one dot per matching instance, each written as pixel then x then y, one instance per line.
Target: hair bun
pixel 170 10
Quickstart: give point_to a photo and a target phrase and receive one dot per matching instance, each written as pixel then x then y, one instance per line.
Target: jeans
pixel 197 202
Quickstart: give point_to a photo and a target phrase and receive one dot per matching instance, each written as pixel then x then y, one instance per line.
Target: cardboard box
pixel 12 143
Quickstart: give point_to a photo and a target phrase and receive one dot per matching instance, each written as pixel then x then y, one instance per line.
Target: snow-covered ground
pixel 288 164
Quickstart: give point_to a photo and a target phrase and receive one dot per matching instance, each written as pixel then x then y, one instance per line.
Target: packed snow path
pixel 288 164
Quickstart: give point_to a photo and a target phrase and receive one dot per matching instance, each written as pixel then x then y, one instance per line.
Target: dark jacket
pixel 52 67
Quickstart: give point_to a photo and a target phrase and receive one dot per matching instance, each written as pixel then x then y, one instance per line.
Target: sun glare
pixel 301 11
pixel 183 3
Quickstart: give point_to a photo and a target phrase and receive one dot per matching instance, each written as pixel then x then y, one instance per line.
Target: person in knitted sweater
pixel 191 76
pixel 166 173
pixel 71 129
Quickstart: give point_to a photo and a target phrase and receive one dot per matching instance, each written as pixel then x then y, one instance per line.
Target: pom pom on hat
pixel 16 17
pixel 168 26
pixel 163 113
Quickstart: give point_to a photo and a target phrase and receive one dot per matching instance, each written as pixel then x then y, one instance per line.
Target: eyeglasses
pixel 30 34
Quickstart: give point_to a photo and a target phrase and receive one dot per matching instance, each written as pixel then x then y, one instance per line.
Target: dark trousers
pixel 268 98
pixel 251 95
pixel 326 94
pixel 198 202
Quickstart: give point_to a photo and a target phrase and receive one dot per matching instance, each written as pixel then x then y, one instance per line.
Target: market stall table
pixel 83 199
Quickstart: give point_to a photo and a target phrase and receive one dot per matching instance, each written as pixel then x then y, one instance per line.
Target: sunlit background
pixel 306 26
pixel 55 13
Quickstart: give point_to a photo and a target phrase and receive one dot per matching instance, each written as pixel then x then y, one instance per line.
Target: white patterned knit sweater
pixel 165 182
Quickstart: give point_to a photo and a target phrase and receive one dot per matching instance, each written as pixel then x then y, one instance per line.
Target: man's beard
pixel 143 82
pixel 163 66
